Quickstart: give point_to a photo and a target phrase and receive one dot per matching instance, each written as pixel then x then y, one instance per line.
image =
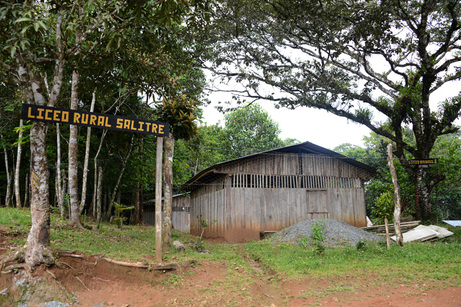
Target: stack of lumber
pixel 381 230
pixel 424 233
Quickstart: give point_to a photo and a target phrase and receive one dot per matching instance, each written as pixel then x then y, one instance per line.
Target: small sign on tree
pixel 422 161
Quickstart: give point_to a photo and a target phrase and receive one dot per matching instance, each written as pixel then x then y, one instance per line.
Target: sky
pixel 318 126
pixel 306 124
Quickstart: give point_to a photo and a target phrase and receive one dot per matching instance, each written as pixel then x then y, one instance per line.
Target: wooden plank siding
pixel 181 213
pixel 271 192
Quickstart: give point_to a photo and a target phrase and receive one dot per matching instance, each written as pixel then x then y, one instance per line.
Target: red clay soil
pixel 95 282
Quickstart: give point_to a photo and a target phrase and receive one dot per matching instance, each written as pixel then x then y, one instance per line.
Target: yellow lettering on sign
pixel 100 120
pixel 77 118
pixel 148 125
pixel 93 119
pixel 126 124
pixel 85 118
pixel 56 115
pixel 106 124
pixel 154 128
pixel 160 129
pixel 47 114
pixel 132 126
pixel 119 123
pixel 40 111
pixel 65 116
pixel 29 115
pixel 140 126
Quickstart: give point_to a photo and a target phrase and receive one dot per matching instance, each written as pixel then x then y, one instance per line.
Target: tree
pixel 200 152
pixel 359 60
pixel 41 45
pixel 249 130
pixel 181 113
pixel 245 131
pixel 447 198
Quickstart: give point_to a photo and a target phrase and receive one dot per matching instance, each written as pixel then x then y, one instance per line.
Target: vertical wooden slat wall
pixel 181 213
pixel 272 192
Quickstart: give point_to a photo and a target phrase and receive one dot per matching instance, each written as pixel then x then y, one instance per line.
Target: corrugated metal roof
pixel 307 147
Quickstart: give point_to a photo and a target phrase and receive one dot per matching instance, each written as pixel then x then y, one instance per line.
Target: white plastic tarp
pixel 454 223
pixel 424 233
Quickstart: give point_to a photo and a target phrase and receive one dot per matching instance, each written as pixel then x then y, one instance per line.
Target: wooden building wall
pixel 181 213
pixel 273 192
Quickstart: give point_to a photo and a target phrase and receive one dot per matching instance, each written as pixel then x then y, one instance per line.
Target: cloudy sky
pixel 318 126
pixel 307 124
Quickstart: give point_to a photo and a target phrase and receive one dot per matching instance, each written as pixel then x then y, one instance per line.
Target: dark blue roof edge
pixel 307 146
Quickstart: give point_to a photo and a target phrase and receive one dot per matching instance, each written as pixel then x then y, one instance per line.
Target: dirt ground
pixel 92 281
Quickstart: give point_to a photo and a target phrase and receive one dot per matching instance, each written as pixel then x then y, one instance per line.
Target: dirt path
pixel 95 282
pixel 211 284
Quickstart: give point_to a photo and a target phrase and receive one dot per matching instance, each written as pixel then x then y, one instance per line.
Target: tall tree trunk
pixel 37 249
pixel 168 191
pixel 65 193
pixel 74 218
pixel 26 191
pixel 87 157
pixel 38 240
pixel 138 207
pixel 98 197
pixel 95 184
pixel 17 191
pixel 397 204
pixel 137 204
pixel 122 171
pixel 59 189
pixel 8 178
pixel 424 209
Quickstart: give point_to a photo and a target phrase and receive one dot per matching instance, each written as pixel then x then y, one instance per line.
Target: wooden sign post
pixel 158 201
pixel 397 204
pixel 111 122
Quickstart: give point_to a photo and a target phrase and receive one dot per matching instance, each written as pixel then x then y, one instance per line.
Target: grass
pixel 438 262
pixel 434 261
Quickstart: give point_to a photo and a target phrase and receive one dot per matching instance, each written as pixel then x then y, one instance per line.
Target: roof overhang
pixel 212 172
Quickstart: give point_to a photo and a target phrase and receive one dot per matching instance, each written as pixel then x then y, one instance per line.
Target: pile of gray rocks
pixel 335 233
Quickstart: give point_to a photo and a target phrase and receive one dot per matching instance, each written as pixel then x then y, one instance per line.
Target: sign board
pixel 422 161
pixel 96 120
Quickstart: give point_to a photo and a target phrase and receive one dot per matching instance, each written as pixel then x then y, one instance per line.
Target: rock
pixel 36 291
pixel 335 233
pixel 179 246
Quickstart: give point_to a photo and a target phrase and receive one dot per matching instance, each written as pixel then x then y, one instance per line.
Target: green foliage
pixel 350 59
pixel 15 219
pixel 139 48
pixel 383 207
pixel 304 242
pixel 447 196
pixel 120 211
pixel 246 130
pixel 360 246
pixel 204 224
pixel 249 130
pixel 286 262
pixel 181 113
pixel 318 231
pixel 446 199
pixel 318 236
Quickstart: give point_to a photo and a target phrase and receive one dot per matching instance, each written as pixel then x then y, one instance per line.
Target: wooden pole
pixel 397 205
pixel 158 201
pixel 388 243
